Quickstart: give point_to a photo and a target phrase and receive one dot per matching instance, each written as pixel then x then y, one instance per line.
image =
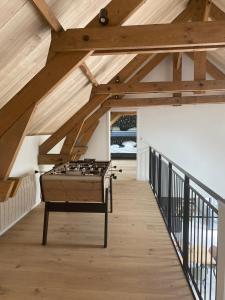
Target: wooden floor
pixel 139 263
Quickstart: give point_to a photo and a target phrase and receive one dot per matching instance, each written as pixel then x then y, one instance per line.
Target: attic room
pixel 112 166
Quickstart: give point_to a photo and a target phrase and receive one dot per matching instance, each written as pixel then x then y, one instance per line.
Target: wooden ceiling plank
pixel 159 101
pixel 48 15
pixel 180 35
pixel 160 87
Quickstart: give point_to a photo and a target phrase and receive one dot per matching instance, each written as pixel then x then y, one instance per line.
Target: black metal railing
pixel 190 212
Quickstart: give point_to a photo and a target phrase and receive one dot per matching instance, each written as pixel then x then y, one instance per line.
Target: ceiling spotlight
pixel 103 16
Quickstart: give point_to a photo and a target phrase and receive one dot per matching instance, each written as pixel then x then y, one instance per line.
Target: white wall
pixel 192 136
pixel 98 146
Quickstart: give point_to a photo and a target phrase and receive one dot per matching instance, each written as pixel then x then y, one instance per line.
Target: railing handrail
pixel 192 178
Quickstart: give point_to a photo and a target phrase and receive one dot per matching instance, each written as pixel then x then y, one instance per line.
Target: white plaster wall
pixel 98 146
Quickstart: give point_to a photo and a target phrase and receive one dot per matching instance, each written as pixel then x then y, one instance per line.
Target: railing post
pixel 153 170
pixel 159 178
pixel 186 222
pixel 169 196
pixel 221 254
pixel 150 165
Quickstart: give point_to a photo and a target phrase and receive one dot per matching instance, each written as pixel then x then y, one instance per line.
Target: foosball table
pixel 81 186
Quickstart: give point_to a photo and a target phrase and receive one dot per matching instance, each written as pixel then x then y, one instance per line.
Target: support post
pixel 221 254
pixel 186 222
pixel 150 165
pixel 159 179
pixel 153 171
pixel 169 196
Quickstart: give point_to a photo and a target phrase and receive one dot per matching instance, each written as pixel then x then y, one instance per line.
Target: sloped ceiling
pixel 24 43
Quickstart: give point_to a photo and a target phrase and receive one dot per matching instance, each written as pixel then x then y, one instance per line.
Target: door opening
pixel 123 139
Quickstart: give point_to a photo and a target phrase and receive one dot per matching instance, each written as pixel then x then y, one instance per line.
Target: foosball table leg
pixel 45 227
pixel 111 196
pixel 106 219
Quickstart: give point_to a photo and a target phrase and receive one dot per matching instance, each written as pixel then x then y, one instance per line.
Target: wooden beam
pixel 179 36
pixel 200 65
pixel 57 159
pixel 71 138
pixel 52 159
pixel 177 70
pixel 6 188
pixel 17 182
pixel 47 14
pixel 160 101
pixel 159 87
pixel 115 117
pixel 88 74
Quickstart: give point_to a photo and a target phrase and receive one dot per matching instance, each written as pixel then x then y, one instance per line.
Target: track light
pixel 103 16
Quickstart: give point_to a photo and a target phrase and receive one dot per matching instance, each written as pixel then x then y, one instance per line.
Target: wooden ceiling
pixel 24 43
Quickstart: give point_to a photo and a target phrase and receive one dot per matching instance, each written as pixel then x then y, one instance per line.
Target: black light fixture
pixel 103 17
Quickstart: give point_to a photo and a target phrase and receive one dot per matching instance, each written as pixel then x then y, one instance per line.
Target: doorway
pixel 123 141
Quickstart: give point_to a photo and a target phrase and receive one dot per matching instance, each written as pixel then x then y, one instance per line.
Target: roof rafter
pixel 47 14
